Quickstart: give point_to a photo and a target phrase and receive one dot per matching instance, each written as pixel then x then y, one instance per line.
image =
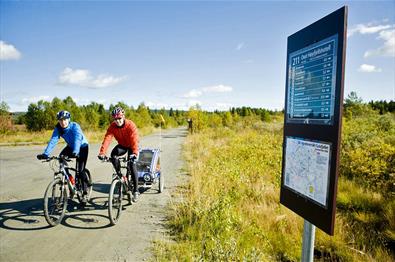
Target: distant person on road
pixel 77 146
pixel 190 126
pixel 126 134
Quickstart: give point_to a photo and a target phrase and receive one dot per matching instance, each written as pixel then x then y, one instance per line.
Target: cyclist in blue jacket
pixel 77 145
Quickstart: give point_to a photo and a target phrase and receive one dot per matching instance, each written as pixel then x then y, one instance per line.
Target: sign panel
pixel 307 168
pixel 312 122
pixel 311 83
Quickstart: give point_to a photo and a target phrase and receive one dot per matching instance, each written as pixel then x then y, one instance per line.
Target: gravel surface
pixel 85 234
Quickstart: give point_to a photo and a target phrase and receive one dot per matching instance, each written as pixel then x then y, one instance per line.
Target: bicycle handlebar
pixel 62 157
pixel 109 159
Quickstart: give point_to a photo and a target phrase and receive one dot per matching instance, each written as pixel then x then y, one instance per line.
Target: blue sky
pixel 179 53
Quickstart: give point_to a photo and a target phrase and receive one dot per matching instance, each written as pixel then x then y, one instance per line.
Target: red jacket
pixel 126 136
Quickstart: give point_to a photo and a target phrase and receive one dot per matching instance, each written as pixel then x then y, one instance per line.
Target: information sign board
pixel 307 167
pixel 312 123
pixel 311 83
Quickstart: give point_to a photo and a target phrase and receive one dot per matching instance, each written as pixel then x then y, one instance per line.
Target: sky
pixel 176 54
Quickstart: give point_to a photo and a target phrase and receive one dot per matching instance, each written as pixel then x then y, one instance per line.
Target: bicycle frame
pixel 124 164
pixel 62 171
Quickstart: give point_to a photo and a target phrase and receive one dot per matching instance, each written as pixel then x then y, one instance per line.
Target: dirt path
pixel 84 234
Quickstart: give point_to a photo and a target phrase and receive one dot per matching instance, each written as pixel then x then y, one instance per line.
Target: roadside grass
pixel 231 212
pixel 22 136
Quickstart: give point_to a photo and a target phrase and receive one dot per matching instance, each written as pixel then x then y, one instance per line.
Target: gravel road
pixel 85 234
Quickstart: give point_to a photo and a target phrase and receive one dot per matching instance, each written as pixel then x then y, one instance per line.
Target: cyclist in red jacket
pixel 125 132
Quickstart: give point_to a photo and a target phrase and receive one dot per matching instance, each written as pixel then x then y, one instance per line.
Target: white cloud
pixel 388 48
pixel 240 46
pixel 35 99
pixel 386 33
pixel 369 68
pixel 83 101
pixel 367 29
pixel 74 77
pixel 208 89
pixel 106 80
pixel 153 105
pixel 8 52
pixel 84 78
pixel 217 89
pixel 193 93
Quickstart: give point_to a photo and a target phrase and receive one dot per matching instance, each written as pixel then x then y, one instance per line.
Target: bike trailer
pixel 148 166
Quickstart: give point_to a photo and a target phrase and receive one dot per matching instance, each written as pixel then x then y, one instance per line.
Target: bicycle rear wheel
pixel 55 202
pixel 115 201
pixel 90 183
pixel 128 194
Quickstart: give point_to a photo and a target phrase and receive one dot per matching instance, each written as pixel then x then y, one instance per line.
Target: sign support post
pixel 308 242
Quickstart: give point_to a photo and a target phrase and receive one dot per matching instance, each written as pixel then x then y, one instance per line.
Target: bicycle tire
pixel 55 202
pixel 115 201
pixel 129 196
pixel 90 183
pixel 161 184
pixel 88 188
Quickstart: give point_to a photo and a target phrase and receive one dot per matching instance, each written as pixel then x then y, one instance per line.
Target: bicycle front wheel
pixel 55 202
pixel 115 201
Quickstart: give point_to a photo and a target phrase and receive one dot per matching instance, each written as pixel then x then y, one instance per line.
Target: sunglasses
pixel 115 119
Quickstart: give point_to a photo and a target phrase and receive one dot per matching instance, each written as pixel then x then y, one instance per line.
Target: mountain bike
pixel 121 186
pixel 58 190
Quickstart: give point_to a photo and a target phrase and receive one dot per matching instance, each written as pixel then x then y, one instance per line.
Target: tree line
pixel 94 116
pixel 42 115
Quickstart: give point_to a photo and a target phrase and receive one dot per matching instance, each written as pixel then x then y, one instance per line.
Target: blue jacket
pixel 72 135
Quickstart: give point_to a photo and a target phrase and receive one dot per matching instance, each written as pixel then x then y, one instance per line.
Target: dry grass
pixel 22 137
pixel 231 209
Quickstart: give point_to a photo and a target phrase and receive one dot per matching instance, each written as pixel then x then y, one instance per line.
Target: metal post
pixel 308 242
pixel 160 137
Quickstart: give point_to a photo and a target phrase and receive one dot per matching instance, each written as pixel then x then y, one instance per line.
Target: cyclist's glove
pixel 101 157
pixel 74 155
pixel 42 156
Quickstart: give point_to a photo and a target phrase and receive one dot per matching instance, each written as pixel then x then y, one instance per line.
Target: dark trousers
pixel 81 163
pixel 119 151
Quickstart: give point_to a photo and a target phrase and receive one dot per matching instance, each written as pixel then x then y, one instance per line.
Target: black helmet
pixel 63 115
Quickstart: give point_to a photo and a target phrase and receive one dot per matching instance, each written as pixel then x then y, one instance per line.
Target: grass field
pixel 231 212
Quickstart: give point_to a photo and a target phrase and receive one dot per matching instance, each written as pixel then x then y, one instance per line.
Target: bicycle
pixel 56 194
pixel 121 185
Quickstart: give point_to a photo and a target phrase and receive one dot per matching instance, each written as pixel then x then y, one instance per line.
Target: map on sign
pixel 307 168
pixel 312 82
